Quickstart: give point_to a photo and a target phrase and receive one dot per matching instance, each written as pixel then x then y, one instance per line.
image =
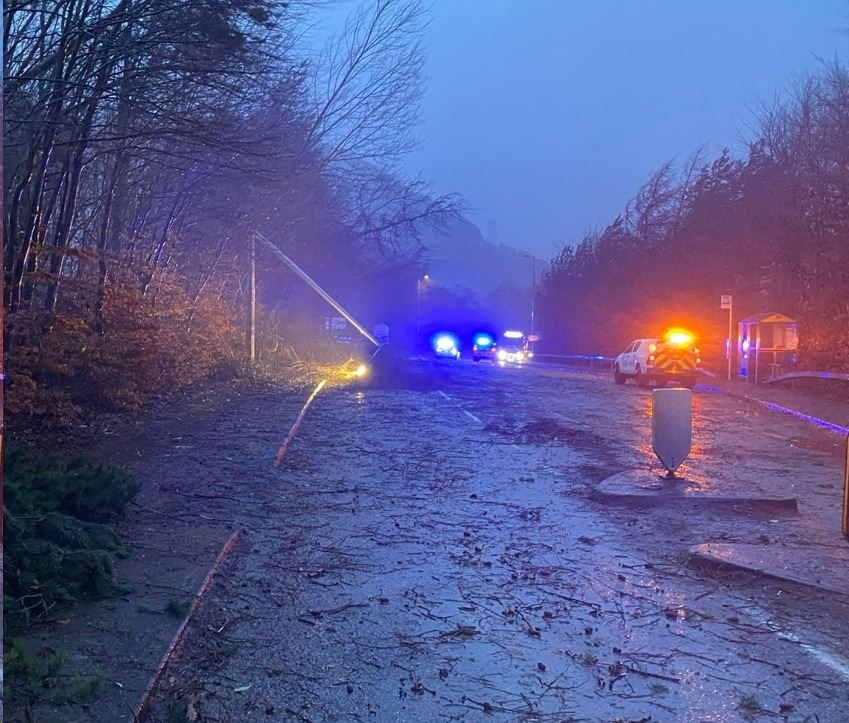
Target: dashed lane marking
pixel 468 414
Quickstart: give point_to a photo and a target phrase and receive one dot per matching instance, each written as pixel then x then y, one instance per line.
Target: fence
pixel 589 361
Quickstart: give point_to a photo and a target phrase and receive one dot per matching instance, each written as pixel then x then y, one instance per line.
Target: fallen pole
pixel 315 287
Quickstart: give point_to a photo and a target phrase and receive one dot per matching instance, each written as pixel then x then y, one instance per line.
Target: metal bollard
pixel 671 427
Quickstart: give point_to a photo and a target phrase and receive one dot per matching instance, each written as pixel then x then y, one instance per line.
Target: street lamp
pixel 420 287
pixel 533 293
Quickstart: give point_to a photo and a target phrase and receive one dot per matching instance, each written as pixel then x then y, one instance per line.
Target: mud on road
pixel 436 553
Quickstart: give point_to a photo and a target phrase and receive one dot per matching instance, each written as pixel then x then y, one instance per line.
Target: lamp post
pixel 420 286
pixel 533 294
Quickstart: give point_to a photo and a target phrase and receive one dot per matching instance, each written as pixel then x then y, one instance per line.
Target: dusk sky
pixel 547 115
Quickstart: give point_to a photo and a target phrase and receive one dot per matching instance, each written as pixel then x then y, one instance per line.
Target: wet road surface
pixel 436 553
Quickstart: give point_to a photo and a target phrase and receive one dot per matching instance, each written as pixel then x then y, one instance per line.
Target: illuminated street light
pixel 533 297
pixel 421 284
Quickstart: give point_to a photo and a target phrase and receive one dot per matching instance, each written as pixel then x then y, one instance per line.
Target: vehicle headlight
pixel 502 355
pixel 520 355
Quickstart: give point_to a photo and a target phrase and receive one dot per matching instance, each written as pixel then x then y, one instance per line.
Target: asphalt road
pixel 434 551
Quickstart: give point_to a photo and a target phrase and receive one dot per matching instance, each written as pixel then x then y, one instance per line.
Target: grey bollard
pixel 671 427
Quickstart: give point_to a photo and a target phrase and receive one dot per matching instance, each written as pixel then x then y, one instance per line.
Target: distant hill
pixel 459 258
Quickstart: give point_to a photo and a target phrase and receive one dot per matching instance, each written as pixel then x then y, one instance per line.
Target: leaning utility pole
pixel 315 287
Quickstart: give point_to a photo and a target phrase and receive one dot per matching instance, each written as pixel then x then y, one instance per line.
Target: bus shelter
pixel 766 346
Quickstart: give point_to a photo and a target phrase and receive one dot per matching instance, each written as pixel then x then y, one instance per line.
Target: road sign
pixel 671 426
pixel 381 333
pixel 726 301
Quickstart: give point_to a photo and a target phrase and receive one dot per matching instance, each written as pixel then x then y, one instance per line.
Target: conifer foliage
pixel 771 228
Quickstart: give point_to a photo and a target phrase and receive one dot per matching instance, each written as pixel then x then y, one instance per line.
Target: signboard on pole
pixel 726 301
pixel 845 516
pixel 381 333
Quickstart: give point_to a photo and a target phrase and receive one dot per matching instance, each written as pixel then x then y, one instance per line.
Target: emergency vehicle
pixel 674 358
pixel 514 348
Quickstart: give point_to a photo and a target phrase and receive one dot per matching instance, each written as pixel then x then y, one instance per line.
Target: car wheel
pixel 476 358
pixel 642 379
pixel 618 376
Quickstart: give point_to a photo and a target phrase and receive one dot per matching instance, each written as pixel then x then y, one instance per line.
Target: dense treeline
pixel 145 141
pixel 771 228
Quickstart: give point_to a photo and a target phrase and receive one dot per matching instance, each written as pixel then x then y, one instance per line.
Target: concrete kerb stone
pixel 815 566
pixel 143 706
pixel 643 488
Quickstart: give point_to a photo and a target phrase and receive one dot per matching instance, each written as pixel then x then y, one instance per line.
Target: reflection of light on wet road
pixel 671 627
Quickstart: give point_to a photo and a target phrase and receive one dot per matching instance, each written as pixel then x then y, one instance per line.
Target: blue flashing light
pixel 445 342
pixel 483 340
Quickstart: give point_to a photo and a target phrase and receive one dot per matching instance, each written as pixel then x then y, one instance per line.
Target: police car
pixel 674 358
pixel 446 346
pixel 484 347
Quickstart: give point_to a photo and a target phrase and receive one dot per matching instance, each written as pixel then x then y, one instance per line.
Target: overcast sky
pixel 547 115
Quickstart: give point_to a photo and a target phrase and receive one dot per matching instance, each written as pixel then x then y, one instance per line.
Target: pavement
pixel 823 564
pixel 814 567
pixel 823 403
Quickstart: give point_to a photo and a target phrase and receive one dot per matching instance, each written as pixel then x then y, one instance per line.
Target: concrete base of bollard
pixel 647 489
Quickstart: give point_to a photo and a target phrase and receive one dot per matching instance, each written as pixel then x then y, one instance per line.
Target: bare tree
pixel 368 84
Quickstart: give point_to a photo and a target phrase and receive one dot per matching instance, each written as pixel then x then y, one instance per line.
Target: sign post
pixel 726 301
pixel 845 516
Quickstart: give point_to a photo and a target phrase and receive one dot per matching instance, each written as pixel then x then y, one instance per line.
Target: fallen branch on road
pixel 334 611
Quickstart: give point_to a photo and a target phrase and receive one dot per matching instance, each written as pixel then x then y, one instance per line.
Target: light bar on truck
pixel 679 337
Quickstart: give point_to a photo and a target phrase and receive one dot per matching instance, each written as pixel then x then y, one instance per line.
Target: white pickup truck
pixel 659 361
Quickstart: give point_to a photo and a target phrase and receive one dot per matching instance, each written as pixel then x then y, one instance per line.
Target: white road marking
pixel 468 414
pixel 573 421
pixel 837 663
